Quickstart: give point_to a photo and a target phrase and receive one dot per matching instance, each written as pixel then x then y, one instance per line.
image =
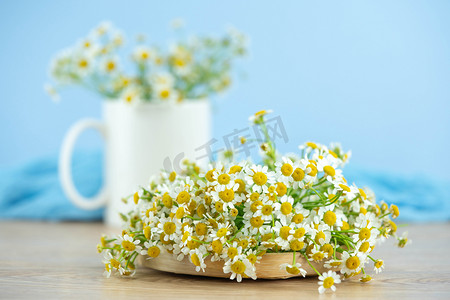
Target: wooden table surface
pixel 59 260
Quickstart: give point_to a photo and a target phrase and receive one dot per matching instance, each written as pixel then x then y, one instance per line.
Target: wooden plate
pixel 267 268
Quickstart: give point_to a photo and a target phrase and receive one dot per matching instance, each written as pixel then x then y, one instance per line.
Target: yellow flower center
pixel 195 260
pixel 227 195
pixel 297 218
pixel 352 262
pixel 164 94
pixel 364 234
pixel 172 176
pixel 180 212
pixel 311 145
pixel 153 251
pixel 235 169
pixel 329 170
pixel 362 193
pixel 328 282
pixel 254 196
pixel 232 252
pixel 318 256
pixel 298 174
pixel 169 228
pixel 183 197
pixel 238 267
pixel 224 179
pixel 217 246
pixel 192 244
pixel 299 232
pixel 110 66
pixel 296 245
pixel 129 246
pixel 83 63
pixel 115 263
pixel 201 210
pixel 319 236
pixel 259 178
pixel 241 187
pixel 234 212
pixel 281 189
pixel 293 270
pixel 256 221
pixel 136 198
pixel 252 258
pixel 266 210
pixel 201 229
pixel 345 225
pixel 167 200
pixel 286 169
pixel 243 243
pixel 209 175
pixel 147 231
pixel 378 264
pixel 327 248
pixel 254 205
pixel 395 211
pixel 329 218
pixel 313 170
pixel 219 206
pixel 221 232
pixel 284 232
pixel 286 208
pixel 344 187
pixel 364 247
pixel 333 153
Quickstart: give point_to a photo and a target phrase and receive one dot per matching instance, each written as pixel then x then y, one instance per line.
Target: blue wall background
pixel 373 75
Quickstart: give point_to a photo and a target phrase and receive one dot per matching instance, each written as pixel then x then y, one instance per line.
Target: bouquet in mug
pixel 237 212
pixel 192 68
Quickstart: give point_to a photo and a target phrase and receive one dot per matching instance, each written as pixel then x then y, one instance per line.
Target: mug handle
pixel 65 169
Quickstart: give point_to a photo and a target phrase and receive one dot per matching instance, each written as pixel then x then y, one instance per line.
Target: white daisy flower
pixel 352 263
pixel 129 244
pixel 238 267
pixel 259 177
pixel 327 281
pixel 293 269
pixel 378 266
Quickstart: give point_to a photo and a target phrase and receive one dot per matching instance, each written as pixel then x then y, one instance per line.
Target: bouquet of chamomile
pixel 192 68
pixel 237 212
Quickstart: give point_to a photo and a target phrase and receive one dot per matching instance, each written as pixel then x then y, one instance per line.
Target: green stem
pixel 310 264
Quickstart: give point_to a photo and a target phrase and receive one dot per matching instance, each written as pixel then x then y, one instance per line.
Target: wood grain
pixel 59 260
pixel 267 268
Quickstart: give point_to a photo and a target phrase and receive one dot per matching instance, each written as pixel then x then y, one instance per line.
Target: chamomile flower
pixel 328 280
pixel 378 266
pixel 239 267
pixel 196 258
pixel 169 227
pixel 293 269
pixel 352 263
pixel 258 177
pixel 129 244
pixel 284 208
pixel 142 54
pixel 258 116
pixel 110 65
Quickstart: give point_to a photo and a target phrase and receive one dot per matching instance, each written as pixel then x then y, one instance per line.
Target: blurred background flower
pixel 372 75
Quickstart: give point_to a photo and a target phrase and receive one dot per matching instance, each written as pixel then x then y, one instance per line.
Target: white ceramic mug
pixel 139 138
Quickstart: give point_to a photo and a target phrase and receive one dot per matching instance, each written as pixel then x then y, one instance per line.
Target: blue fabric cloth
pixel 419 197
pixel 33 191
